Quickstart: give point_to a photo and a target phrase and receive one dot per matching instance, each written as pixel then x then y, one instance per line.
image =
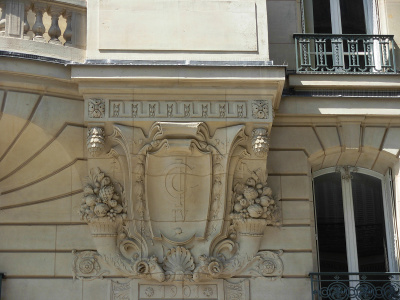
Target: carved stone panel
pixel 135 290
pixel 191 210
pixel 125 110
pixel 237 289
pixel 178 190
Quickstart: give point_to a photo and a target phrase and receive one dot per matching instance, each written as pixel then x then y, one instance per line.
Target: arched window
pixel 354 221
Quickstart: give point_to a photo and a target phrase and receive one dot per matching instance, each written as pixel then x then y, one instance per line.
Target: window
pixel 343 16
pixel 354 221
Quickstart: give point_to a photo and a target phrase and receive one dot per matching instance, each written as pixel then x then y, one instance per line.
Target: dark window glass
pixel 352 15
pixel 322 16
pixel 330 223
pixel 369 221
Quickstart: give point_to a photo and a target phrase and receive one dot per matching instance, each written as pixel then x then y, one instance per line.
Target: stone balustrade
pixel 48 22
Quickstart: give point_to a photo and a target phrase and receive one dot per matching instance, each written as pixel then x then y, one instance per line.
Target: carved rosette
pixel 95 141
pixel 86 265
pixel 260 109
pixel 260 142
pixel 96 108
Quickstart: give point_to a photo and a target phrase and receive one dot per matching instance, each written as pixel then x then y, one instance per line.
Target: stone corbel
pixel 254 208
pixel 250 208
pixel 104 208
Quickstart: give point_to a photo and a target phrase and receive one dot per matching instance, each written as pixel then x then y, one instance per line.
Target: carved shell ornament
pixel 178 264
pixel 101 198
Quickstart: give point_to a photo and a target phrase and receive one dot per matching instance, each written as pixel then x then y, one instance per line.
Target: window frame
pixel 389 210
pixel 371 14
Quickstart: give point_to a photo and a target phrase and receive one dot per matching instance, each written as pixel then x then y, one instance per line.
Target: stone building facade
pixel 199 149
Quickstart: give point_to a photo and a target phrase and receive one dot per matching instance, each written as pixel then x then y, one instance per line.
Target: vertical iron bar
pixel 393 56
pixel 296 40
pixel 2 275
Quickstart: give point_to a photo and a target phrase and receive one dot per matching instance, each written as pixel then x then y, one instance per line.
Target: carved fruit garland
pixel 254 200
pixel 102 198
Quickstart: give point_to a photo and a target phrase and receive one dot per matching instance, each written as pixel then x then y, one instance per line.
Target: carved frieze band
pixel 113 110
pixel 218 290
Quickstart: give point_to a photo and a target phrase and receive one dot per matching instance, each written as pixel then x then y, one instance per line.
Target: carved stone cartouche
pixel 183 151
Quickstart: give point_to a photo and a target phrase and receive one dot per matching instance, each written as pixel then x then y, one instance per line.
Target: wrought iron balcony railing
pixel 360 286
pixel 344 53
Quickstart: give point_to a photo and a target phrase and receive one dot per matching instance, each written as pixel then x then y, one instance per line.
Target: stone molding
pixel 125 110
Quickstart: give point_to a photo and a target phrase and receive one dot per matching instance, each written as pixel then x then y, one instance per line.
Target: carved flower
pixel 96 108
pixel 87 265
pixel 267 267
pixel 207 291
pixel 260 109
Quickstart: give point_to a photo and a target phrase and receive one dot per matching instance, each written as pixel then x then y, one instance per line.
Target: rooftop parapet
pixel 46 29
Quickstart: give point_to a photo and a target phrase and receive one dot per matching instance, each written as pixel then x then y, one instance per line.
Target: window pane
pixel 330 223
pixel 322 16
pixel 352 14
pixel 369 221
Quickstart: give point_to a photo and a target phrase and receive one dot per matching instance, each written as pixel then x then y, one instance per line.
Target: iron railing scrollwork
pixel 360 286
pixel 344 53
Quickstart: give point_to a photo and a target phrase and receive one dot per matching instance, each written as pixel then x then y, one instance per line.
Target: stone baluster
pixel 54 30
pixel 38 28
pixel 68 30
pixel 27 7
pixel 3 18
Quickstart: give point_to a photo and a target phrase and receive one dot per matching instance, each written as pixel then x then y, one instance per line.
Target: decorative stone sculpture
pixel 253 200
pixel 178 264
pixel 95 141
pixel 102 199
pixel 260 109
pixel 166 172
pixel 96 108
pixel 260 142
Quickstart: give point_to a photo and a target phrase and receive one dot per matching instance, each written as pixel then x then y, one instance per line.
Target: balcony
pixel 360 286
pixel 344 53
pixel 43 30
